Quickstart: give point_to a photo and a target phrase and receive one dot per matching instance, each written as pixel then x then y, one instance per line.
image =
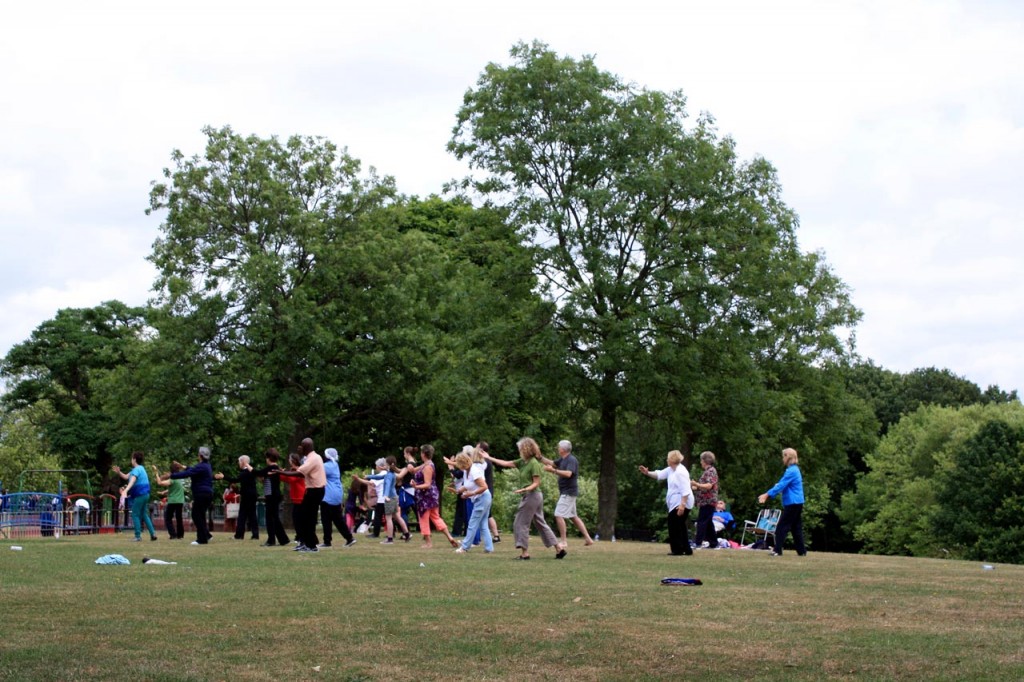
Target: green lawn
pixel 235 611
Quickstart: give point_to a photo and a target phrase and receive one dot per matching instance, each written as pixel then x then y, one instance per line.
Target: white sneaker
pixel 705 544
pixel 195 542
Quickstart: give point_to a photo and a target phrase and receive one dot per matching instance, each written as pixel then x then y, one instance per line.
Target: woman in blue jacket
pixel 791 486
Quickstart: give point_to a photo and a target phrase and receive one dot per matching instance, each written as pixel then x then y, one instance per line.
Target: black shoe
pixel 267 544
pixel 153 538
pixel 350 542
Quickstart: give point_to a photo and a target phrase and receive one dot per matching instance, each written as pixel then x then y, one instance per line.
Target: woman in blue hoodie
pixel 791 486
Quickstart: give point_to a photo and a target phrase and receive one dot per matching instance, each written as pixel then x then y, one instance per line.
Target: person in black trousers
pixel 246 481
pixel 201 474
pixel 276 533
pixel 312 470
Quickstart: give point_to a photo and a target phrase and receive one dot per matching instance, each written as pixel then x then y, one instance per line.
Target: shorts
pixel 390 506
pixel 566 507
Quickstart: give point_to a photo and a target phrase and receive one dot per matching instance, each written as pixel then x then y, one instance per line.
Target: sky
pixel 897 129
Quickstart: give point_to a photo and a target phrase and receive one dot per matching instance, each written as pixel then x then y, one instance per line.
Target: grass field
pixel 235 611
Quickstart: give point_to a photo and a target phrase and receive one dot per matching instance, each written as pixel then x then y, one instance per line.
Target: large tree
pixel 652 238
pixel 265 264
pixel 308 300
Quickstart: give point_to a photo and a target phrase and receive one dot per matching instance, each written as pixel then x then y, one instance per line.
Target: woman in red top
pixel 296 489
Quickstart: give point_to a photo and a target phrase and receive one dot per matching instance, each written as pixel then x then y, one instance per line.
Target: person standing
pixel 678 499
pixel 296 491
pixel 276 534
pixel 531 506
pixel 334 493
pixel 707 498
pixel 428 499
pixel 379 481
pixel 248 497
pixel 312 470
pixel 137 491
pixel 474 487
pixel 201 475
pixel 791 487
pixel 489 478
pixel 567 468
pixel 175 502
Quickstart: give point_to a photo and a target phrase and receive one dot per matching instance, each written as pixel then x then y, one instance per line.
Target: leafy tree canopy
pixel 652 238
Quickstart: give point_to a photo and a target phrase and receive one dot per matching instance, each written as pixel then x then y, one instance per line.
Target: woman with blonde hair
pixel 531 506
pixel 791 486
pixel 679 500
pixel 474 487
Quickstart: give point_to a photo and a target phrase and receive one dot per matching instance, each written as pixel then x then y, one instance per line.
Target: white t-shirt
pixel 476 471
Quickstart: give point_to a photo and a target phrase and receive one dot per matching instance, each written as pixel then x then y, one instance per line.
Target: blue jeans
pixel 478 522
pixel 140 511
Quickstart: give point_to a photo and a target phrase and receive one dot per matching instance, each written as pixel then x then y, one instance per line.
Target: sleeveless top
pixel 427 498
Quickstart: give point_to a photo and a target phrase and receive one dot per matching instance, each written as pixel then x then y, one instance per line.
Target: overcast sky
pixel 897 129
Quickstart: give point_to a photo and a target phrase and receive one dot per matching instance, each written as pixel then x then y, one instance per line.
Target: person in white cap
pixel 334 494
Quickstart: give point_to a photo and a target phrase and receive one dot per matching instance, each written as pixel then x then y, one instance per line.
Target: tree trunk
pixel 607 484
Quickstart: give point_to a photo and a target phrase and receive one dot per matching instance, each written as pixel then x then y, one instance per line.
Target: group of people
pixel 683 494
pixel 316 491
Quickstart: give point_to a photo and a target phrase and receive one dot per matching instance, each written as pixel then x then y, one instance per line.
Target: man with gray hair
pixel 567 468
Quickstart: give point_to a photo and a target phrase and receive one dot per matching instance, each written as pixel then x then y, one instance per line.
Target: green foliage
pixel 982 512
pixel 22 445
pixel 893 395
pixel 674 265
pixel 896 504
pixel 61 364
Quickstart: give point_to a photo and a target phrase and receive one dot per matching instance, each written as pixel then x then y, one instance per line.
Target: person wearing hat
pixel 334 494
pixel 201 475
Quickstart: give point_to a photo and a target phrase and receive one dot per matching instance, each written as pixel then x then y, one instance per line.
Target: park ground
pixel 236 611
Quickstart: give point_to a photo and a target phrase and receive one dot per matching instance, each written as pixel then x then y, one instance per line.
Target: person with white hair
pixel 201 475
pixel 567 468
pixel 249 494
pixel 386 509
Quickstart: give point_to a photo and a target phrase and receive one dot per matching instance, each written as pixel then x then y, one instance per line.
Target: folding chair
pixel 763 527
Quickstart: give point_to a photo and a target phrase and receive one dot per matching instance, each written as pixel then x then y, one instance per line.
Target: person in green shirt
pixel 175 501
pixel 531 506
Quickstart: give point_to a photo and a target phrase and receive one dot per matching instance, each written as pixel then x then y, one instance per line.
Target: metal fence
pixel 49 515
